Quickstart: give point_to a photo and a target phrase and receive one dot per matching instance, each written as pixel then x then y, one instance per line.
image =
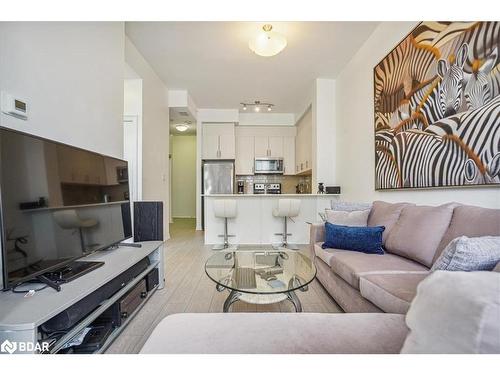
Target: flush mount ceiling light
pixel 182 127
pixel 267 43
pixel 257 106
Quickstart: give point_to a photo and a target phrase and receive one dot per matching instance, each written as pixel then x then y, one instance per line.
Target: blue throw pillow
pixel 364 239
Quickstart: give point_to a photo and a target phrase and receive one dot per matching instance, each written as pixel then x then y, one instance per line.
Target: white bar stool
pixel 287 208
pixel 226 209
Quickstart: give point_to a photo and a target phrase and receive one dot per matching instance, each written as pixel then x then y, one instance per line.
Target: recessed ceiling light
pixel 267 43
pixel 182 127
pixel 257 108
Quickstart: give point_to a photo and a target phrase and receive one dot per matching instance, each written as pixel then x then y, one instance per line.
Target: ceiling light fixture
pixel 267 43
pixel 182 127
pixel 257 106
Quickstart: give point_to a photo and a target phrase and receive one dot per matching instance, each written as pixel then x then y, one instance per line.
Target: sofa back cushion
pixel 470 221
pixel 418 232
pixel 386 215
pixel 455 312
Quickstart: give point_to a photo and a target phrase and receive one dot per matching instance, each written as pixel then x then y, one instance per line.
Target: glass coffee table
pixel 260 276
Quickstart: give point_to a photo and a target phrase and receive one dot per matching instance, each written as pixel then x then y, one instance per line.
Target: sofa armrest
pixel 316 234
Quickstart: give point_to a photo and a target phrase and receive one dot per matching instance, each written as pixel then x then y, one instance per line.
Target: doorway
pixel 183 148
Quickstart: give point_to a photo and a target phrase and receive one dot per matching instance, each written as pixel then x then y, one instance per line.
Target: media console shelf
pixel 21 317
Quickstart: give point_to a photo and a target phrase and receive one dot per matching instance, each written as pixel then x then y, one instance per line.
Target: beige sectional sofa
pixel 414 238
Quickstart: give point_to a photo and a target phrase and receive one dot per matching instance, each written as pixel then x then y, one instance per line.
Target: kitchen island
pixel 255 223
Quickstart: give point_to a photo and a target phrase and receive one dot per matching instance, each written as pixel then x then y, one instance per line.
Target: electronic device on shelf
pixel 332 189
pixel 267 188
pixel 65 202
pixel 72 271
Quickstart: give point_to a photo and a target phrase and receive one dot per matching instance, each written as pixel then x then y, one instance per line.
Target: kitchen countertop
pixel 269 195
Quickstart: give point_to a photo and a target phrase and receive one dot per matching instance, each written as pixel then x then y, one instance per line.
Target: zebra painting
pixel 437 108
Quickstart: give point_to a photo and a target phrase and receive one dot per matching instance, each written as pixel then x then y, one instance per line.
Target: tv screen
pixel 58 203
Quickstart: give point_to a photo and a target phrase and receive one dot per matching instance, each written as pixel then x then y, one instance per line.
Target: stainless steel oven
pixel 268 166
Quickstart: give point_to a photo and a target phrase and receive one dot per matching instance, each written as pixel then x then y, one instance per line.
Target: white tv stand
pixel 21 317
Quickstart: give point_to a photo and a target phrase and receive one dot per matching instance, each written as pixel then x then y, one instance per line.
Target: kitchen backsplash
pixel 288 183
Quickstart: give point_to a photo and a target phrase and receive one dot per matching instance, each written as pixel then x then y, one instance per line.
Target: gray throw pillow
pixel 350 218
pixel 349 206
pixel 469 254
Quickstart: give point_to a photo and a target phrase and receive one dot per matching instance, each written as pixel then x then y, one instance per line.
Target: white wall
pixel 183 176
pixel 323 132
pixel 355 130
pixel 71 74
pixel 155 132
pixel 266 119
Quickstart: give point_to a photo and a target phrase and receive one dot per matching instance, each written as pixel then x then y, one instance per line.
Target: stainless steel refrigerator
pixel 218 178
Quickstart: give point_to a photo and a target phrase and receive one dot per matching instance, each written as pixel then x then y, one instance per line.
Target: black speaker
pixel 148 221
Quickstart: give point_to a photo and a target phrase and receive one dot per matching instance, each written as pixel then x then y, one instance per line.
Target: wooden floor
pixel 188 289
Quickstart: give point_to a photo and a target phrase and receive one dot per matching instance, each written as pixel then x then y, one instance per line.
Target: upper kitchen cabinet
pixel 264 142
pixel 218 141
pixel 267 146
pixel 245 156
pixel 289 155
pixel 275 146
pixel 303 153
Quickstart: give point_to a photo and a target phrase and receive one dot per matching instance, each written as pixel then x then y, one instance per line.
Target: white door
pixel 131 153
pixel 244 155
pixel 276 146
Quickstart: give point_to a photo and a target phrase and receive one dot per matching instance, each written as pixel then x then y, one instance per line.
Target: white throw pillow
pixel 455 312
pixel 350 218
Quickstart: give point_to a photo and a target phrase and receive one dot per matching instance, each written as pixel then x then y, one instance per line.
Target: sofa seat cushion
pixel 351 265
pixel 391 292
pixel 271 333
pixel 326 255
pixel 418 232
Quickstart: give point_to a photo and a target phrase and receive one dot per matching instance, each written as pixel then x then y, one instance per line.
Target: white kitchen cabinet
pixel 244 163
pixel 210 146
pixel 275 146
pixel 303 150
pixel 218 141
pixel 289 155
pixel 261 146
pixel 268 146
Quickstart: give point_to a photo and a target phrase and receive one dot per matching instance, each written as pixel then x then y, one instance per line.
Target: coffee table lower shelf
pixel 262 299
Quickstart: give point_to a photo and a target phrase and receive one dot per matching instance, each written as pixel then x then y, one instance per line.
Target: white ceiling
pixel 213 62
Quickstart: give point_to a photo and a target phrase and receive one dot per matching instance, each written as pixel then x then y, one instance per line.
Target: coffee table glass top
pixel 260 271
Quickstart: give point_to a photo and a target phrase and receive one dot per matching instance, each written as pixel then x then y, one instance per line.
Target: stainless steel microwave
pixel 269 166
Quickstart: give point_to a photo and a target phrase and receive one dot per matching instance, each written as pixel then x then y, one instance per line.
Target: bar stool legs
pixel 225 208
pixel 287 208
pixel 225 245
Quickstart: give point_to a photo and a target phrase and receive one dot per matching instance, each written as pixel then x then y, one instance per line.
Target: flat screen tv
pixel 58 203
